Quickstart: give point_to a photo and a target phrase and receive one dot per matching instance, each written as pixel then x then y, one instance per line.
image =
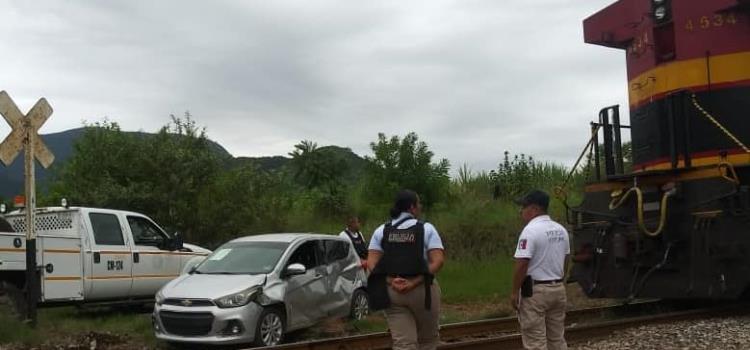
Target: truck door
pixel 59 245
pixel 111 258
pixel 62 268
pixel 153 266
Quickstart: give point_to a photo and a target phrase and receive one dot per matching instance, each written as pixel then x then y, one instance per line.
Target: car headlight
pixel 239 299
pixel 159 298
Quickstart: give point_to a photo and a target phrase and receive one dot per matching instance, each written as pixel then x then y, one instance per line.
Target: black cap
pixel 537 197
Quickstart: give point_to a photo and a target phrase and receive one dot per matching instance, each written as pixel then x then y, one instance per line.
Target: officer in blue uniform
pixel 405 254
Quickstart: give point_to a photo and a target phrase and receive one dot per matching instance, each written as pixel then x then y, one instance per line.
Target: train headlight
pixel 660 13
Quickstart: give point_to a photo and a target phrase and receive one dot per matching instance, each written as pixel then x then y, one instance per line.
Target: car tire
pixel 271 327
pixel 360 306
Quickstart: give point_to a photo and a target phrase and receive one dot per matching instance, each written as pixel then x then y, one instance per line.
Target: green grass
pixel 483 281
pixel 373 323
pixel 55 324
pixel 475 281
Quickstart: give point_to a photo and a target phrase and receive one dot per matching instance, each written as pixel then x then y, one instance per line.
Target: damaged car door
pixel 341 273
pixel 307 292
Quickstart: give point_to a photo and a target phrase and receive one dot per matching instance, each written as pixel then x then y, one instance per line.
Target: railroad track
pixel 453 335
pixel 594 330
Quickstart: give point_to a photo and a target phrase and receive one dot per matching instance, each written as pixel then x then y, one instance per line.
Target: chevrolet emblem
pixel 186 302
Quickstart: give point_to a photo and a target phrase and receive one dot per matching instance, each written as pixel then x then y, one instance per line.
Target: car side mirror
pixel 295 269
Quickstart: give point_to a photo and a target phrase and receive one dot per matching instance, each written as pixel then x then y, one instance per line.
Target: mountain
pixel 274 163
pixel 61 145
pixel 354 165
pixel 12 177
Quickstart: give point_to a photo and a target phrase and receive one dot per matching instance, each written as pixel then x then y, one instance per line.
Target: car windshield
pixel 241 258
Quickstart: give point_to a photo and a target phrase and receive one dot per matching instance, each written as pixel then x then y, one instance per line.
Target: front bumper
pixel 206 324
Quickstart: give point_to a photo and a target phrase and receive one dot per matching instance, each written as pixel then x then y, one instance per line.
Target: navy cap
pixel 537 197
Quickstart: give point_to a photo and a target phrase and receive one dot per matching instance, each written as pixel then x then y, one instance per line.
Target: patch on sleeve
pixel 522 244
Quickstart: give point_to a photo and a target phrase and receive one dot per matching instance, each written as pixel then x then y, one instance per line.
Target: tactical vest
pixel 403 255
pixel 360 246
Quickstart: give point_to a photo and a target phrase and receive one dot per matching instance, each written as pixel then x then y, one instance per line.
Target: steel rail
pixel 455 331
pixel 595 330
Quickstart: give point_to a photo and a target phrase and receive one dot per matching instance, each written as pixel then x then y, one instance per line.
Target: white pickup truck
pixel 92 255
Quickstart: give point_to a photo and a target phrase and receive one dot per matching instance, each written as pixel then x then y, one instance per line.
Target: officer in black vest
pixel 352 233
pixel 405 254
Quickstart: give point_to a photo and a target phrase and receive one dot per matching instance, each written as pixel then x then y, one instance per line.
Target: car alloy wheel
pixel 271 328
pixel 360 305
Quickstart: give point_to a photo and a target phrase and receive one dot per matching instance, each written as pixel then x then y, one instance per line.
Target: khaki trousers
pixel 542 318
pixel 412 326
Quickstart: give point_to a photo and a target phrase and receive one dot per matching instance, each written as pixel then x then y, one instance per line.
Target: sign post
pixel 24 134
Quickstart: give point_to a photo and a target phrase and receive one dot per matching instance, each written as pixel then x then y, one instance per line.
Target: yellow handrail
pixel 619 200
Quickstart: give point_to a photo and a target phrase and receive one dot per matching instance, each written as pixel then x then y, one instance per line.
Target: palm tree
pixel 311 167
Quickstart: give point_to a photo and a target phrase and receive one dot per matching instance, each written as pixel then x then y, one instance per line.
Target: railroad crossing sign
pixel 24 135
pixel 24 129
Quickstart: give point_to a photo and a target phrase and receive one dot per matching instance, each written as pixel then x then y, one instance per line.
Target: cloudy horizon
pixel 471 78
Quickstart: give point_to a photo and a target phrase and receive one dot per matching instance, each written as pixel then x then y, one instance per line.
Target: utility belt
pixel 527 288
pixel 548 282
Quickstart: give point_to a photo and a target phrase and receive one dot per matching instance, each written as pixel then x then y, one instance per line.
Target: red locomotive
pixel 676 223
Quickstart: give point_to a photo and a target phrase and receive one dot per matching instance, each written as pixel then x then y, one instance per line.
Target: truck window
pixel 145 232
pixel 106 229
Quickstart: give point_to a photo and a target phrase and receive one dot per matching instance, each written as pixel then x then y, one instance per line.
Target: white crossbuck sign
pixel 21 127
pixel 24 135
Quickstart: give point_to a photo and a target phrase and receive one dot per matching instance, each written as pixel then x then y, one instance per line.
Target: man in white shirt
pixel 539 273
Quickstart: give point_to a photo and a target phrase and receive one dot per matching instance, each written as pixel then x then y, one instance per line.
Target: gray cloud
pixel 472 78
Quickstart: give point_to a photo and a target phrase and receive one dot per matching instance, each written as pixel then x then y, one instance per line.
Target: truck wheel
pixel 270 328
pixel 360 305
pixel 15 297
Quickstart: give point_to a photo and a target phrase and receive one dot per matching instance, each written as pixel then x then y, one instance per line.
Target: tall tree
pixel 308 164
pixel 321 171
pixel 161 175
pixel 406 163
pixel 242 201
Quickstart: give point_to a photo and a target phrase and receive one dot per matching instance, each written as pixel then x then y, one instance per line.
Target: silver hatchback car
pixel 255 289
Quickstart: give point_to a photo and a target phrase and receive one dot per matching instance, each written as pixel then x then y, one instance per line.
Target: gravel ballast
pixel 712 333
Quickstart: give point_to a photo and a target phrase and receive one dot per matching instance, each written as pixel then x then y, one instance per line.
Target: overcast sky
pixel 471 78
